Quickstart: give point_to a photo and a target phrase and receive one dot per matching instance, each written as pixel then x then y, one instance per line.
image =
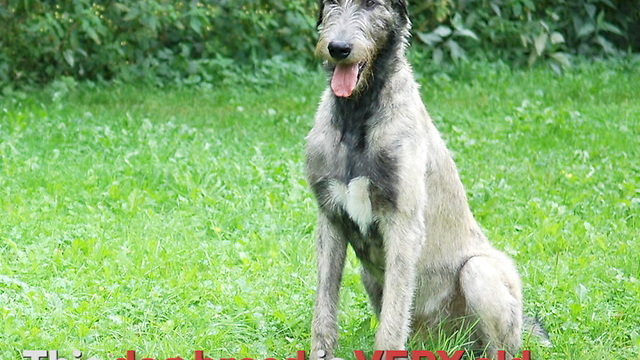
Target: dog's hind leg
pixel 491 289
pixel 331 250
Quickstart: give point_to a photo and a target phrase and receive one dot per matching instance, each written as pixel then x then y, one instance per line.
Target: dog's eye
pixel 331 2
pixel 370 3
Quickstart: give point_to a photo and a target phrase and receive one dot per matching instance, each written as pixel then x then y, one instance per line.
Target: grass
pixel 168 221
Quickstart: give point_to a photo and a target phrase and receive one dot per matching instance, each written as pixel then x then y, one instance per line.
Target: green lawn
pixel 168 221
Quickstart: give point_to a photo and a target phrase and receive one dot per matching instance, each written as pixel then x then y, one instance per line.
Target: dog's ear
pixel 320 12
pixel 403 9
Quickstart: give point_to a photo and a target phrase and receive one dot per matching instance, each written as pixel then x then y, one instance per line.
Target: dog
pixel 386 185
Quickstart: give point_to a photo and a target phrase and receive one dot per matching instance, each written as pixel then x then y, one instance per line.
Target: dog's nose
pixel 339 50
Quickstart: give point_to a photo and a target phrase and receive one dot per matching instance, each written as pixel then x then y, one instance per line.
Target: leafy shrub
pixel 527 31
pixel 253 30
pixel 444 39
pixel 102 39
pixel 151 39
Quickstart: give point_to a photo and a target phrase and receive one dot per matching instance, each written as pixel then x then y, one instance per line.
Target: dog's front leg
pixel 331 250
pixel 402 242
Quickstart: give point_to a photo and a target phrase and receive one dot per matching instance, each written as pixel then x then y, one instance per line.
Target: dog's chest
pixel 357 182
pixel 354 198
pixel 355 213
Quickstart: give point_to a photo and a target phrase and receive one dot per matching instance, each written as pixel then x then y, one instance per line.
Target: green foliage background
pixel 205 41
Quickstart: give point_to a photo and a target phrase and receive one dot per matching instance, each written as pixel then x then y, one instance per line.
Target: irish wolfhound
pixel 386 184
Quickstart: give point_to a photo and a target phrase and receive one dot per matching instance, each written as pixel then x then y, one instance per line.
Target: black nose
pixel 339 50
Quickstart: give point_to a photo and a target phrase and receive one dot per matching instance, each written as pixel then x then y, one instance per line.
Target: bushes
pixel 527 31
pixel 148 39
pixel 101 39
pixel 206 40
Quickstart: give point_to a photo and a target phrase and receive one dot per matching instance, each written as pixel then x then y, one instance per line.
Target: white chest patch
pixel 354 199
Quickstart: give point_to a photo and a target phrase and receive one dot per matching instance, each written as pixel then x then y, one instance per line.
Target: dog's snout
pixel 339 50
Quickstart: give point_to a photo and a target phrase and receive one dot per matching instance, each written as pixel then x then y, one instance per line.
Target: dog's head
pixel 353 33
pixel 399 5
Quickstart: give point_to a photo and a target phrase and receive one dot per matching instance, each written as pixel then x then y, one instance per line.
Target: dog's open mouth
pixel 345 78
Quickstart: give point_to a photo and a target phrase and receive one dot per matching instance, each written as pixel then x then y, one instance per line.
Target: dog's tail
pixel 532 327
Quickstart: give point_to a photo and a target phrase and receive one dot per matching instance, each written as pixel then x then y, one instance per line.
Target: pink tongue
pixel 344 79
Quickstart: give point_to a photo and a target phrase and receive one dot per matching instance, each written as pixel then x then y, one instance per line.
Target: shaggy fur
pixel 386 184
